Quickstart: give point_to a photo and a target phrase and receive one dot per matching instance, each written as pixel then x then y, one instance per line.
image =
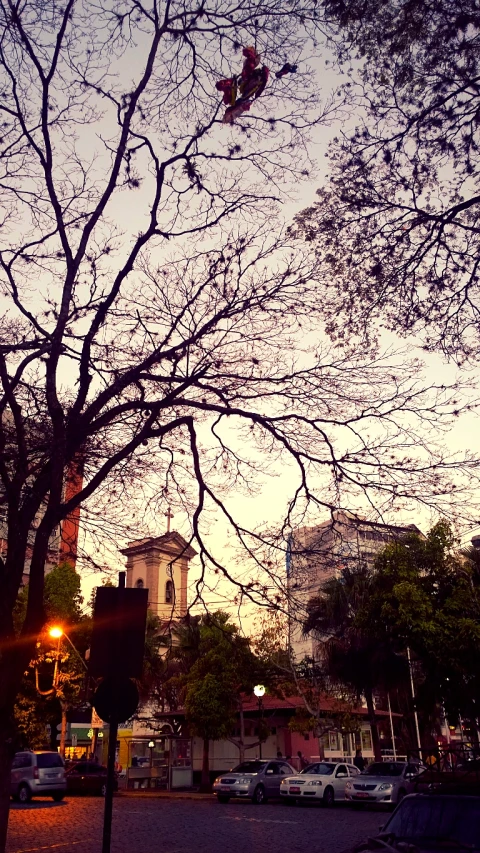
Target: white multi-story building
pixel 321 552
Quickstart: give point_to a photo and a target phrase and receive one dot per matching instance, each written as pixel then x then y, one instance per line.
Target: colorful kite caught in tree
pixel 239 92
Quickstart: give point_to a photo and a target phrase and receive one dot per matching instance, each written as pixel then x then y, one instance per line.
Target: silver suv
pixel 37 774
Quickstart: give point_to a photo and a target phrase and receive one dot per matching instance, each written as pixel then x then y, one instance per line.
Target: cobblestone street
pixel 186 826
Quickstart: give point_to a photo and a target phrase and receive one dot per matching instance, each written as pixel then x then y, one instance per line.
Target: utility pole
pixel 391 728
pixel 419 743
pixel 112 739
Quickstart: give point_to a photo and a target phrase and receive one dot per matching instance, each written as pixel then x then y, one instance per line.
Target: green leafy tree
pixel 426 596
pixel 219 666
pixel 350 654
pixel 210 710
pixel 55 679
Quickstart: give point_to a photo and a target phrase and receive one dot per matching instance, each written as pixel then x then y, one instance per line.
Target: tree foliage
pixel 396 226
pixel 226 656
pixel 427 596
pixel 39 699
pixel 422 595
pixel 219 667
pixel 349 652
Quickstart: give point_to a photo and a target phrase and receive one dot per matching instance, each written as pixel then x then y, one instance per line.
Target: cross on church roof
pixel 169 515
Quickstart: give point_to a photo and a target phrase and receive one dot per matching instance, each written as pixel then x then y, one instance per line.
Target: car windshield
pixel 49 759
pixel 249 767
pixel 384 768
pixel 437 818
pixel 319 769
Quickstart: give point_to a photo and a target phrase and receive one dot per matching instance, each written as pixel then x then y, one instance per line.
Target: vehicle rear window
pixel 49 759
pixel 319 769
pixel 249 767
pixel 22 759
pixel 78 768
pixel 384 768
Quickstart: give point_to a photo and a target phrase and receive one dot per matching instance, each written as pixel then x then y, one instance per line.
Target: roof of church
pixel 171 543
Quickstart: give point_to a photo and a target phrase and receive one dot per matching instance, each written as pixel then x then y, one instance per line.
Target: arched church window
pixel 168 592
pixel 139 584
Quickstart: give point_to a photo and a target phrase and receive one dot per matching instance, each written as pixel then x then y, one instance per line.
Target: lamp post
pixel 259 691
pixel 56 632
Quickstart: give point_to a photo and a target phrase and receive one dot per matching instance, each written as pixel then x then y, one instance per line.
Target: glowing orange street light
pixel 55 632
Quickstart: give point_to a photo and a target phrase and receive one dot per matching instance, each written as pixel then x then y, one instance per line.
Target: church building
pixel 161 565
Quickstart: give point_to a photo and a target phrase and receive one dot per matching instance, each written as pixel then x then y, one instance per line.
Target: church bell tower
pixel 161 564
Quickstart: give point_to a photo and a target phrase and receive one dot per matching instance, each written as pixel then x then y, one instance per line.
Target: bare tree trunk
pixel 7 751
pixel 205 782
pixel 63 730
pixel 373 724
pixel 13 662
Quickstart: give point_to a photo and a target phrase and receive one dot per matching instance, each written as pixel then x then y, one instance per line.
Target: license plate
pixel 363 795
pixel 52 775
pixel 294 790
pixel 224 788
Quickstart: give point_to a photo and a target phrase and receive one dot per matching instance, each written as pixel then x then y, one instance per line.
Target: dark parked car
pixel 429 823
pixel 87 777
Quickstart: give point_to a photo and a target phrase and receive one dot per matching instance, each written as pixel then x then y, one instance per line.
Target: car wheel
pixel 24 794
pixel 58 796
pixel 259 795
pixel 329 796
pixel 103 790
pixel 400 795
pixel 223 799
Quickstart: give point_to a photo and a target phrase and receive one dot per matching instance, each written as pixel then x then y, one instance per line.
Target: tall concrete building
pixel 321 552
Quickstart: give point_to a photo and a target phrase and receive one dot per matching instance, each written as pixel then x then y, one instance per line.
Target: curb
pixel 165 795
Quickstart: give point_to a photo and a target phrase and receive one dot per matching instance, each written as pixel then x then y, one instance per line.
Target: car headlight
pixel 314 782
pixel 386 786
pixel 284 782
pixel 245 781
pixel 348 785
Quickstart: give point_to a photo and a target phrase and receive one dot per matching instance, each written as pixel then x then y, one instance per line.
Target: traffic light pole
pixel 112 749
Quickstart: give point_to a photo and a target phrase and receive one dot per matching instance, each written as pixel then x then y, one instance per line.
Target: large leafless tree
pixel 397 223
pixel 159 329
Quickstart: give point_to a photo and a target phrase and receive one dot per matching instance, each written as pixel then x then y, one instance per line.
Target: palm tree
pixel 351 656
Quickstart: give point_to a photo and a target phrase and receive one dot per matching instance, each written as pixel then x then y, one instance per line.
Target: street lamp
pixel 259 691
pixel 56 632
pixel 151 746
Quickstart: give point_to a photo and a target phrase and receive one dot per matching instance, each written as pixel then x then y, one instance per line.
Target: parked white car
pixel 323 781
